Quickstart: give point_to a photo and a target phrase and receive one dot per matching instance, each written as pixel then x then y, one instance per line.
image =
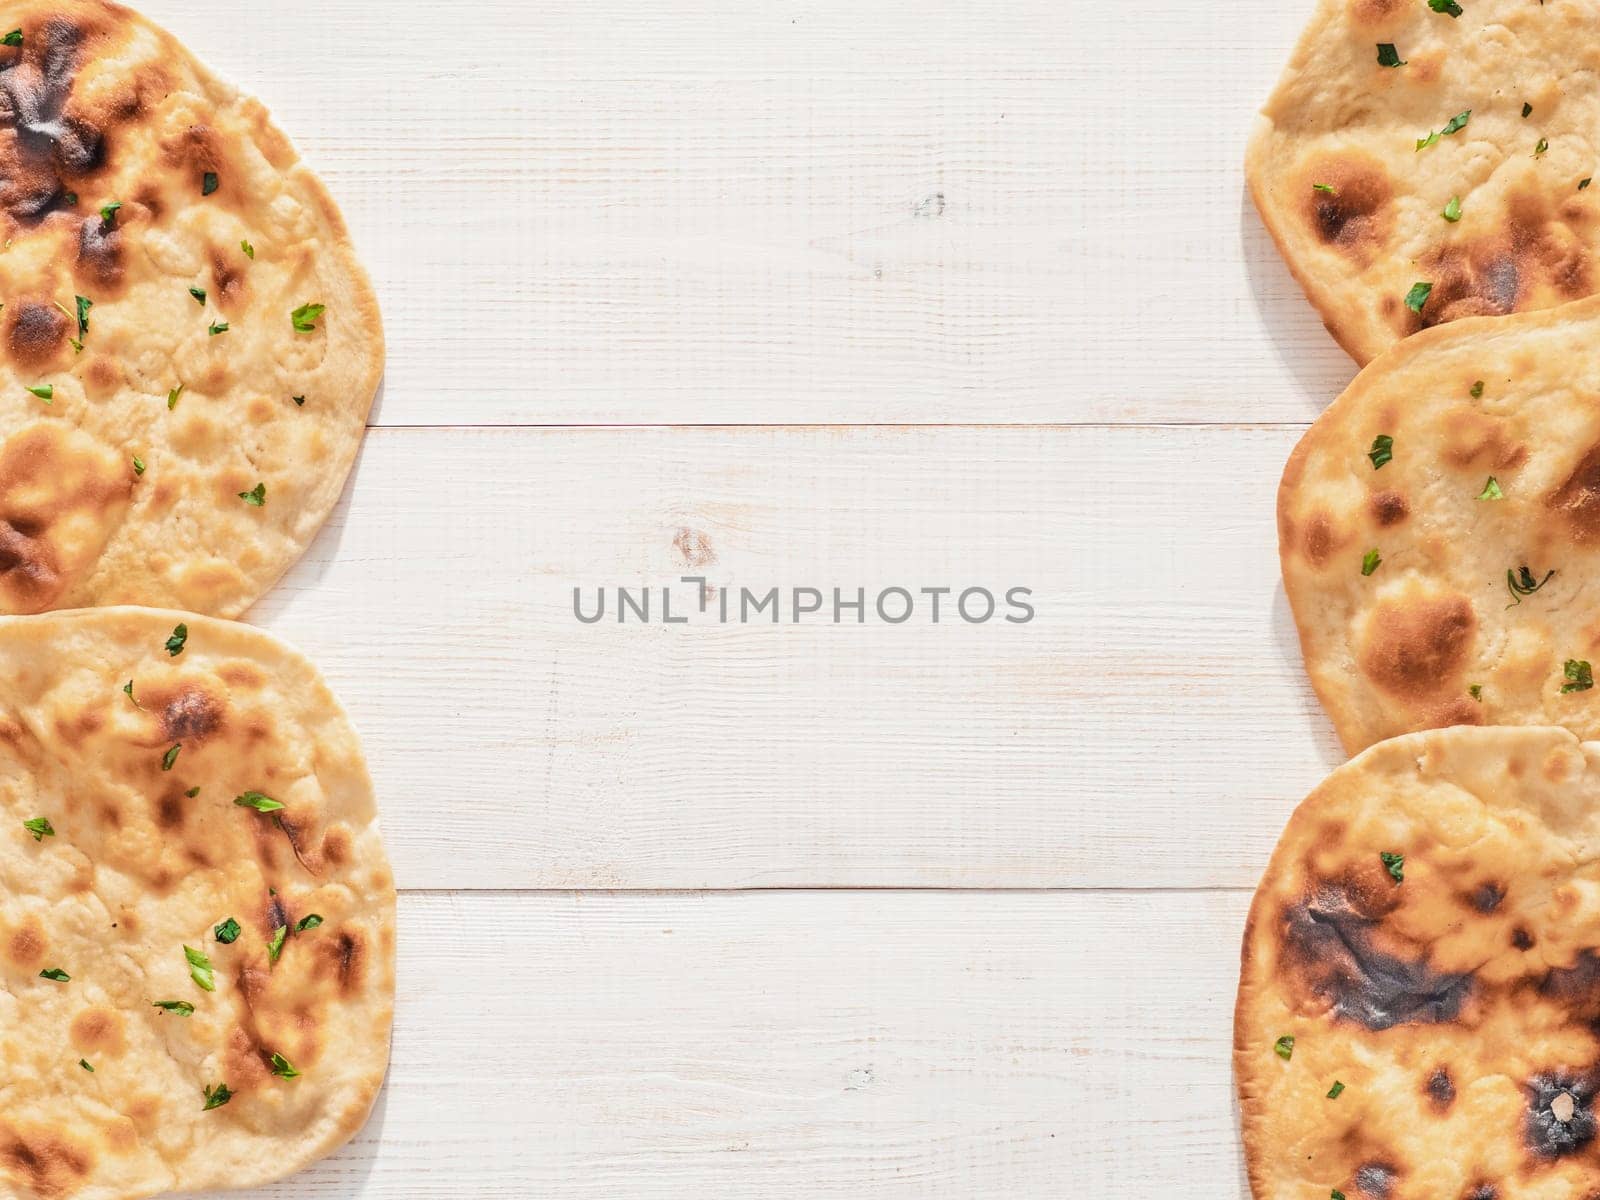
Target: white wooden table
pixel 850 292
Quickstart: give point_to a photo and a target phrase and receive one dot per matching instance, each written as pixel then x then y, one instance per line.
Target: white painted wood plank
pixel 841 210
pixel 770 1044
pixel 1151 727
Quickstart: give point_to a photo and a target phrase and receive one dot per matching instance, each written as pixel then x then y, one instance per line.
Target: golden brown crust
pixel 1435 636
pixel 1526 237
pixel 149 853
pixel 1456 1006
pixel 219 225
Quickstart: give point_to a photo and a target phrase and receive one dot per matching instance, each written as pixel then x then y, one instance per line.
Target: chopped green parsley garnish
pixel 258 801
pixel 1452 210
pixel 1324 187
pixel 45 391
pixel 1583 183
pixel 1544 144
pixel 1335 1090
pixel 1418 296
pixel 84 305
pixel 181 1008
pixel 228 932
pixel 1527 110
pixel 170 757
pixel 1336 1194
pixel 218 1096
pixel 108 213
pixel 249 250
pixel 217 327
pixel 40 827
pixel 175 643
pixel 192 792
pixel 199 295
pixel 1449 7
pixel 1388 56
pixel 282 1068
pixel 1371 561
pixel 85 1065
pixel 172 397
pixel 1284 1047
pixel 256 496
pixel 209 183
pixel 1580 677
pixel 1454 125
pixel 1395 864
pixel 56 974
pixel 299 401
pixel 1476 390
pixel 275 946
pixel 1382 451
pixel 1522 583
pixel 305 317
pixel 1491 490
pixel 138 465
pixel 1476 692
pixel 14 38
pixel 128 690
pixel 200 969
pixel 309 921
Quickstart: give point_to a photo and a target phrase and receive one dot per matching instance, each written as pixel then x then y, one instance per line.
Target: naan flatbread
pixel 1505 96
pixel 187 453
pixel 143 755
pixel 1467 460
pixel 1428 935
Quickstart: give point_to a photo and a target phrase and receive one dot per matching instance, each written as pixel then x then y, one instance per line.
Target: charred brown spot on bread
pixel 1375 1179
pixel 43 142
pixel 1374 12
pixel 1486 897
pixel 100 252
pixel 1577 985
pixel 191 714
pixel 101 1030
pixel 336 846
pixel 53 479
pixel 1481 1191
pixel 1320 542
pixel 1458 710
pixel 35 331
pixel 245 1063
pixel 1389 507
pixel 171 809
pixel 47 1163
pixel 193 149
pixel 1354 217
pixel 26 945
pixel 1521 938
pixel 1440 1089
pixel 345 954
pixel 1471 437
pixel 1578 498
pixel 228 282
pixel 1560 1118
pixel 1331 951
pixel 1499 274
pixel 1417 645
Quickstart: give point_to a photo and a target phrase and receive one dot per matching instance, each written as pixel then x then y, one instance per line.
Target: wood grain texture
pixel 751 1046
pixel 843 210
pixel 1151 727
